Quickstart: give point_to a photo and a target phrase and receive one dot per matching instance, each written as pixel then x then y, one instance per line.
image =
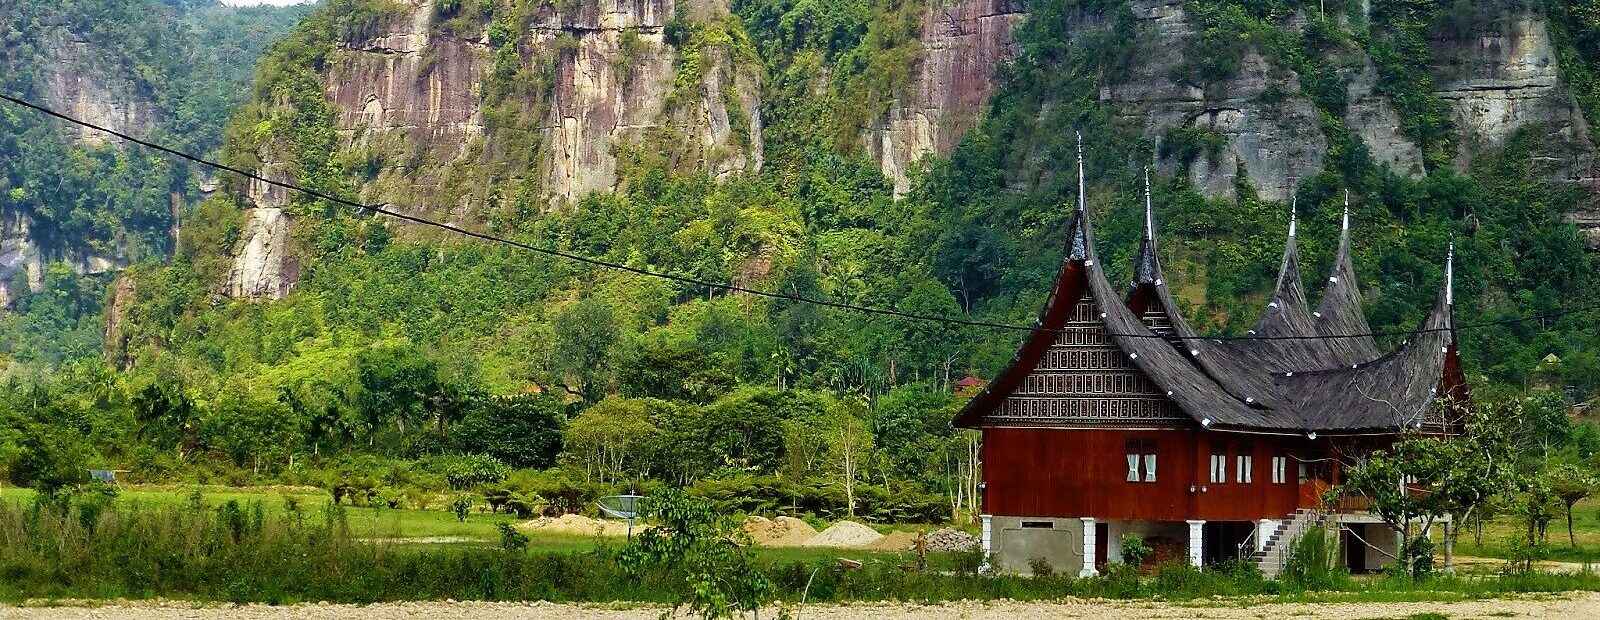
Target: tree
pixel 661 366
pixel 1545 423
pixel 253 432
pixel 397 382
pixel 699 549
pixel 522 430
pixel 584 334
pixel 832 440
pixel 744 430
pixel 167 417
pixel 49 462
pixel 612 439
pixel 1398 486
pixel 1570 484
pixel 1483 469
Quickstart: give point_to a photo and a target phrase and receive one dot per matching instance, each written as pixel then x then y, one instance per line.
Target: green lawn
pixel 404 526
pixel 1497 535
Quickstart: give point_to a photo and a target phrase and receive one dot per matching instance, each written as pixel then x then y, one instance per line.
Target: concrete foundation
pixel 1018 542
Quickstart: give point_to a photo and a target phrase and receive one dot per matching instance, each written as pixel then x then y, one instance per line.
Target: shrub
pixel 1041 567
pixel 510 538
pixel 1313 562
pixel 1134 551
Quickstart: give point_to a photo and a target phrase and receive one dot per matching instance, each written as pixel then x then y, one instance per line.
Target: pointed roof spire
pixel 1294 213
pixel 1344 224
pixel 1083 194
pixel 1450 274
pixel 1149 209
pixel 1148 270
pixel 1079 250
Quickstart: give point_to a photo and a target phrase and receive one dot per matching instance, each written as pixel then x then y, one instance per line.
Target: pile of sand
pixel 779 532
pixel 896 541
pixel 845 534
pixel 579 525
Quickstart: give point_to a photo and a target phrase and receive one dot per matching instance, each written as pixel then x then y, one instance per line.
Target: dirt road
pixel 1572 607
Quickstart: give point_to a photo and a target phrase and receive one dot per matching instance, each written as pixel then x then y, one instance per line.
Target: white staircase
pixel 1274 552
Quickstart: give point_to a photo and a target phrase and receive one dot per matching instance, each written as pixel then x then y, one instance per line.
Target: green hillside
pixel 400 343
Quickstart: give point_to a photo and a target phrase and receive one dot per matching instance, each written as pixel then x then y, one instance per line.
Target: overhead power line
pixel 597 262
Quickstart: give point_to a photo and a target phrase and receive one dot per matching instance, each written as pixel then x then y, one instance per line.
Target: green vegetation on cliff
pixel 399 344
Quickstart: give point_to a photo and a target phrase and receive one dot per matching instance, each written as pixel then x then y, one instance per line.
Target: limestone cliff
pixel 963 41
pixel 612 81
pixel 451 119
pixel 1499 76
pixel 82 83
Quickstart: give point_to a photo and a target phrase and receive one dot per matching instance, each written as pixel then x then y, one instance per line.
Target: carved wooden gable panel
pixel 1084 380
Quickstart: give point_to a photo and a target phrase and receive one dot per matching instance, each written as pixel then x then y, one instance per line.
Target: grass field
pixel 435 527
pixel 1585 526
pixel 429 528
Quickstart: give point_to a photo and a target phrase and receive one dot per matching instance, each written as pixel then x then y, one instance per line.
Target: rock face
pixel 962 43
pixel 78 85
pixel 413 99
pixel 21 263
pixel 619 86
pixel 264 263
pixel 614 82
pixel 1497 79
pixel 23 259
pixel 412 92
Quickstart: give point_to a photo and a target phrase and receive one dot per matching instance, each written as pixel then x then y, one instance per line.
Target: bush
pixel 468 471
pixel 510 538
pixel 1313 562
pixel 1134 551
pixel 49 463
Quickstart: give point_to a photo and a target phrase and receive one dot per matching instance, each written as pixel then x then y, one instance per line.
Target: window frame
pixel 1219 461
pixel 1140 454
pixel 1244 463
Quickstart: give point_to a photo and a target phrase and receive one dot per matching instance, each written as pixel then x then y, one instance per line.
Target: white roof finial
pixel 1450 275
pixel 1345 225
pixel 1149 209
pixel 1083 194
pixel 1294 208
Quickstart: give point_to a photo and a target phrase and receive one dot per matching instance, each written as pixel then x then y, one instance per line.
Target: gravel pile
pixel 845 534
pixel 950 539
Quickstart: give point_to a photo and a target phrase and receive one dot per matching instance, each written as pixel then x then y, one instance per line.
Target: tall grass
pixel 239 552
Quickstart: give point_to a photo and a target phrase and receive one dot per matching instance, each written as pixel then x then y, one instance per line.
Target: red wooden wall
pixel 1083 473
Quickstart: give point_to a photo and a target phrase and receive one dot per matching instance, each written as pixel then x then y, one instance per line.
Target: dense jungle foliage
pixel 399 344
pixel 181 68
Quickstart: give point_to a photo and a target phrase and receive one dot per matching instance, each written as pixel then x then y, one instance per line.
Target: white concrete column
pixel 1196 535
pixel 1088 548
pixel 988 542
pixel 1265 528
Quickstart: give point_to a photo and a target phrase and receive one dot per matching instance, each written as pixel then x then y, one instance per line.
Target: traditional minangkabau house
pixel 1117 418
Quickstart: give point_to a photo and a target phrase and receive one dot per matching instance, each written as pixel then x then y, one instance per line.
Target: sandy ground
pixel 1572 607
